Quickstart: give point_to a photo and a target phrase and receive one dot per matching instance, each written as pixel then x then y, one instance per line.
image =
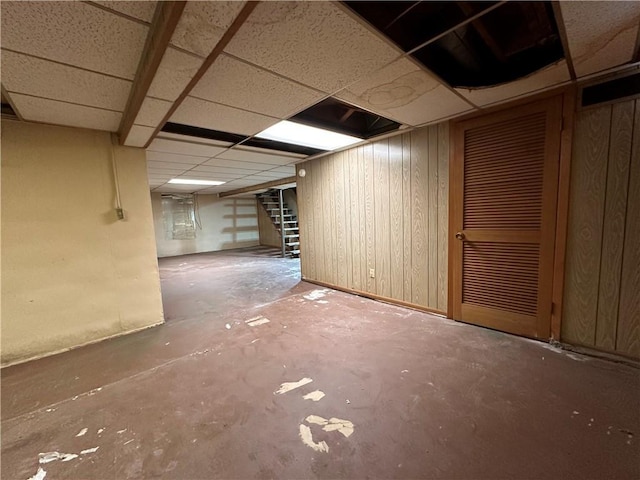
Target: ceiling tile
pixel 404 92
pixel 169 188
pixel 273 174
pixel 174 158
pixel 203 24
pixel 229 170
pixel 315 43
pixel 138 136
pixel 166 171
pixel 140 9
pixel 189 138
pixel 235 83
pixel 60 113
pixel 545 78
pixel 288 170
pixel 74 33
pixel 223 162
pixel 601 35
pixel 152 112
pixel 184 148
pixel 201 113
pixel 174 73
pixel 173 165
pixel 256 157
pixel 42 78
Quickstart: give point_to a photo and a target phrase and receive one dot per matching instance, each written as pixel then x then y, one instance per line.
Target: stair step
pixel 292 244
pixel 291 228
pixel 295 252
pixel 292 235
pixel 286 221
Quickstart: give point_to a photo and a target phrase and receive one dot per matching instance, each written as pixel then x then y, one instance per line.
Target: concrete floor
pixel 428 397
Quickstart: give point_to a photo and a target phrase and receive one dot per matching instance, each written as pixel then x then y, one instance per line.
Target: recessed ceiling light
pixel 298 134
pixel 186 181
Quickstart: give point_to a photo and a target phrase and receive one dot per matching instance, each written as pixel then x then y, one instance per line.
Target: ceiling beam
pixel 165 20
pixel 562 30
pixel 215 53
pixel 260 186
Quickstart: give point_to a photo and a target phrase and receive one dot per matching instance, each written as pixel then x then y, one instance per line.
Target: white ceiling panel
pixel 546 78
pixel 42 78
pixel 187 138
pixel 140 9
pixel 165 171
pixel 184 148
pixel 173 158
pixel 229 170
pixel 601 35
pixel 280 153
pixel 288 170
pixel 246 155
pixel 201 113
pixel 264 178
pixel 315 43
pixel 160 165
pixel 209 176
pixel 138 136
pixel 68 114
pixel 174 73
pixel 203 24
pixel 235 83
pixel 170 188
pixel 404 92
pixel 272 174
pixel 223 162
pixel 152 112
pixel 74 33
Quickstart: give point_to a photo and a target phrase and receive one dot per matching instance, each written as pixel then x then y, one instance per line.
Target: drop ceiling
pixel 76 64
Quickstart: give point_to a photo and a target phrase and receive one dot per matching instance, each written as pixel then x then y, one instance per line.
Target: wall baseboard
pixel 380 298
pixel 90 342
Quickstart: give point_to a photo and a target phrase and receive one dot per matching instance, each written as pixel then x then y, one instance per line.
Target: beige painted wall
pixel 226 223
pixel 382 206
pixel 602 276
pixel 72 273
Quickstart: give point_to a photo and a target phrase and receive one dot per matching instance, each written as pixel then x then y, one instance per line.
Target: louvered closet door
pixel 504 191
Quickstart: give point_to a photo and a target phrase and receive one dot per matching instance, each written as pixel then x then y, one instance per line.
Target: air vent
pixel 614 90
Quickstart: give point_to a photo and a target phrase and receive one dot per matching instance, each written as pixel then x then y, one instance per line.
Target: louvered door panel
pixel 505 167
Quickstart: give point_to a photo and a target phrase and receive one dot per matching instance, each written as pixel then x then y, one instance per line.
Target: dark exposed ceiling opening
pixel 198 132
pixel 508 42
pixel 332 114
pixel 7 110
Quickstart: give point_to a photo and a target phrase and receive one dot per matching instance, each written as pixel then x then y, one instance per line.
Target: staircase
pixel 269 200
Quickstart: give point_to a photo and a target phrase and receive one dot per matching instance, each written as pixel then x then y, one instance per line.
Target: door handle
pixel 460 236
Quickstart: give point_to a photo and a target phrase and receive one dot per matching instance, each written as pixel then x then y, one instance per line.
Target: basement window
pixel 503 44
pixel 179 215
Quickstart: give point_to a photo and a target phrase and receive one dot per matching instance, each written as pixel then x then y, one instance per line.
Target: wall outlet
pixel 372 273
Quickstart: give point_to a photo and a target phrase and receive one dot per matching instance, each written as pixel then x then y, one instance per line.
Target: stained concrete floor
pixel 428 397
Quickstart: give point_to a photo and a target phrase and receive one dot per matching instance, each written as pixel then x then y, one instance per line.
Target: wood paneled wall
pixel 382 206
pixel 602 286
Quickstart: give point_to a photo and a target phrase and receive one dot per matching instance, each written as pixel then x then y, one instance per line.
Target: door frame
pixel 569 96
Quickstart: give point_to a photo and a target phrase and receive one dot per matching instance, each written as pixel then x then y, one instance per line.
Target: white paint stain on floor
pixel 288 386
pixel 254 322
pixel 53 456
pixel 40 474
pixel 345 427
pixel 82 432
pixel 315 396
pixel 316 294
pixel 307 439
pixel 89 450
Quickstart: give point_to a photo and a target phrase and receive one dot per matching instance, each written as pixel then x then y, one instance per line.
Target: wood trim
pixel 486 317
pixel 165 19
pixel 215 53
pixel 519 102
pixel 379 298
pixel 259 186
pixel 557 12
pixel 562 211
pixel 6 95
pixel 456 198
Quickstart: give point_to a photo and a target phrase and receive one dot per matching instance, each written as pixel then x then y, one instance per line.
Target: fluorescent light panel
pixel 298 134
pixel 186 181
